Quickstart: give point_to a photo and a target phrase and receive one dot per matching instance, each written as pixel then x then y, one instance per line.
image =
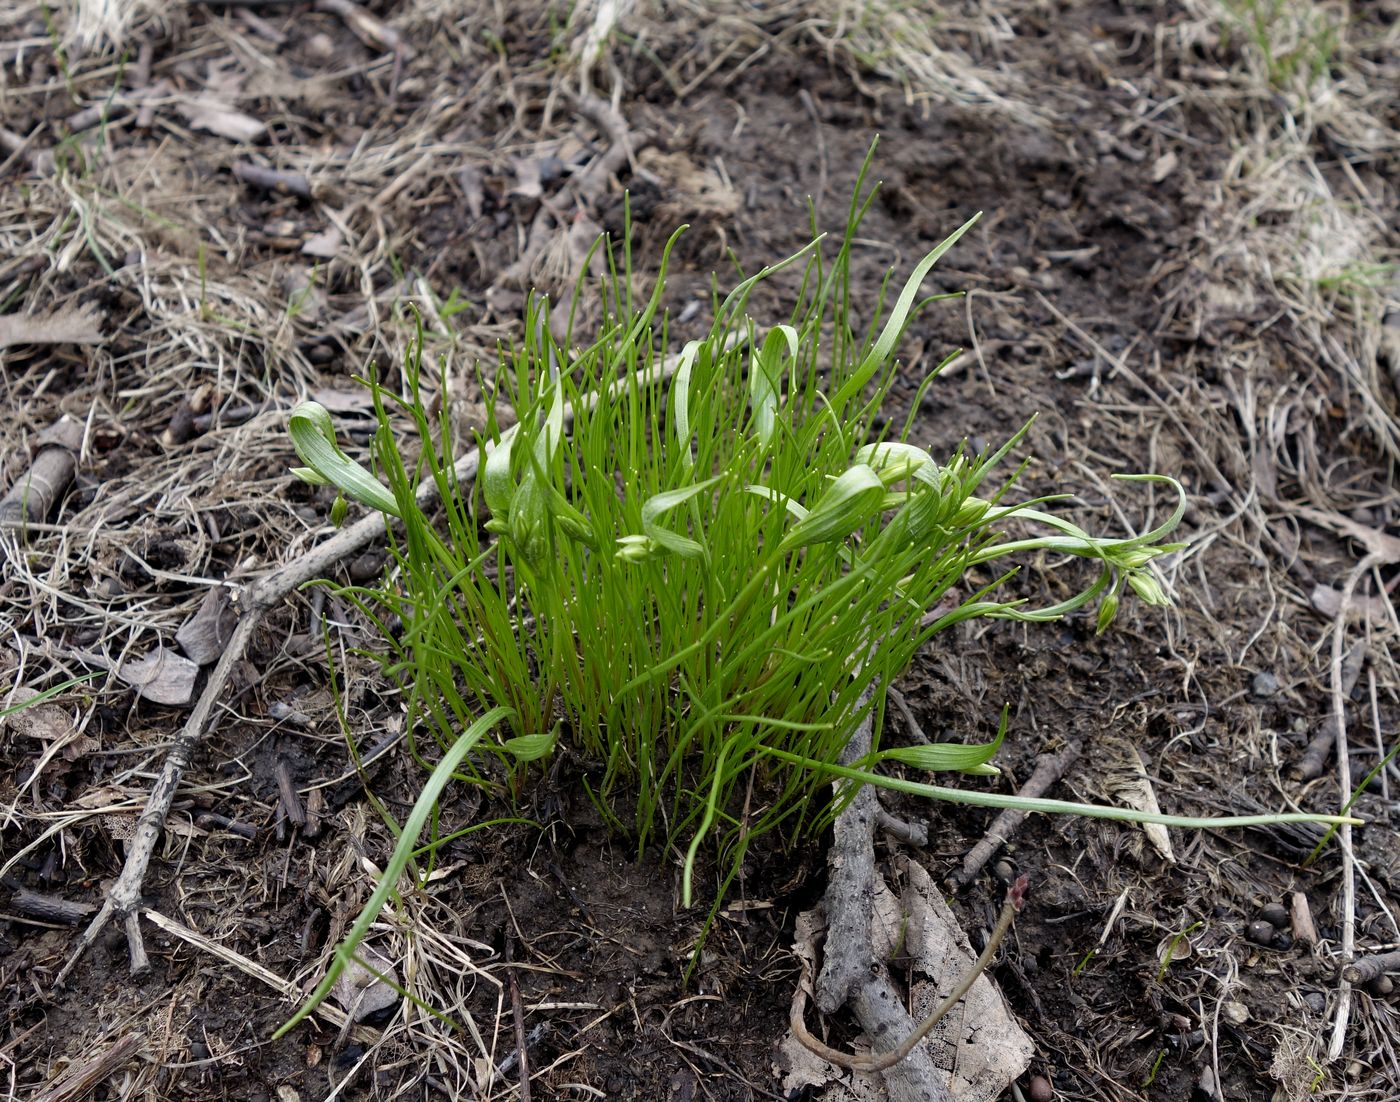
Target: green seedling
pixel 1169 954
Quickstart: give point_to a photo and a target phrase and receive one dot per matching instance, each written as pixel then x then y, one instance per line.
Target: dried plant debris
pixel 66 325
pixel 979 1048
pixel 1124 781
pixel 161 676
pixel 205 635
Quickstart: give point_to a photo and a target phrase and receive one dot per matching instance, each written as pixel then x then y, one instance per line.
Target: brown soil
pixel 1135 282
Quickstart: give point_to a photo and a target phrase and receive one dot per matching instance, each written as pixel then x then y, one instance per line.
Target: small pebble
pixel 1004 871
pixel 1040 1090
pixel 320 47
pixel 1206 1083
pixel 1260 932
pixel 1264 684
pixel 1235 1013
pixel 1380 987
pixel 1315 1001
pixel 1275 914
pixel 1283 941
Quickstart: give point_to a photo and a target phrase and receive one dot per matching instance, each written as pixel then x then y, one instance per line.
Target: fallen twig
pixel 49 908
pixel 1339 723
pixel 34 492
pixel 278 180
pixel 1320 747
pixel 909 831
pixel 518 1014
pixel 846 962
pixel 1048 770
pixel 1368 968
pixel 1015 898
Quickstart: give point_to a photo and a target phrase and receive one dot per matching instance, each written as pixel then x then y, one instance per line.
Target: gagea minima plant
pixel 697 570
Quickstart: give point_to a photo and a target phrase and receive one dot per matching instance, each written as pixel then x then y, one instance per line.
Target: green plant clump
pixel 694 569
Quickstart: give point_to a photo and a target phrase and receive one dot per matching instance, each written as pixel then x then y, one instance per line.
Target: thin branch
pixel 1048 770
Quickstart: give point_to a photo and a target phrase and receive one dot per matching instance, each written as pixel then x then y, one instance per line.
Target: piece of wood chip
pixel 66 325
pixel 528 181
pixel 326 245
pixel 219 118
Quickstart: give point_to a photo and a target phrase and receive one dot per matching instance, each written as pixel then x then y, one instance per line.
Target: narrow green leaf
pixel 949 757
pixel 313 436
pixel 680 401
pixel 497 486
pixel 883 347
pixel 766 379
pixel 398 861
pixel 658 504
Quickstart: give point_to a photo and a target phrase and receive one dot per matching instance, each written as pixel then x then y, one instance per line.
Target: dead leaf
pixel 66 325
pixel 45 722
pixel 325 245
pixel 797 1066
pixel 1125 781
pixel 103 796
pixel 528 181
pixel 359 991
pixel 1328 601
pixel 979 1044
pixel 204 635
pixel 219 118
pixel 163 676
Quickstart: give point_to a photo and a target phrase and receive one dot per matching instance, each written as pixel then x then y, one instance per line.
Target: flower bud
pixel 1108 609
pixel 634 549
pixel 1147 587
pixel 972 510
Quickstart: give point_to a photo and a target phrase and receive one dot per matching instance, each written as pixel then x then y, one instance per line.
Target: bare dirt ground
pixel 1185 265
